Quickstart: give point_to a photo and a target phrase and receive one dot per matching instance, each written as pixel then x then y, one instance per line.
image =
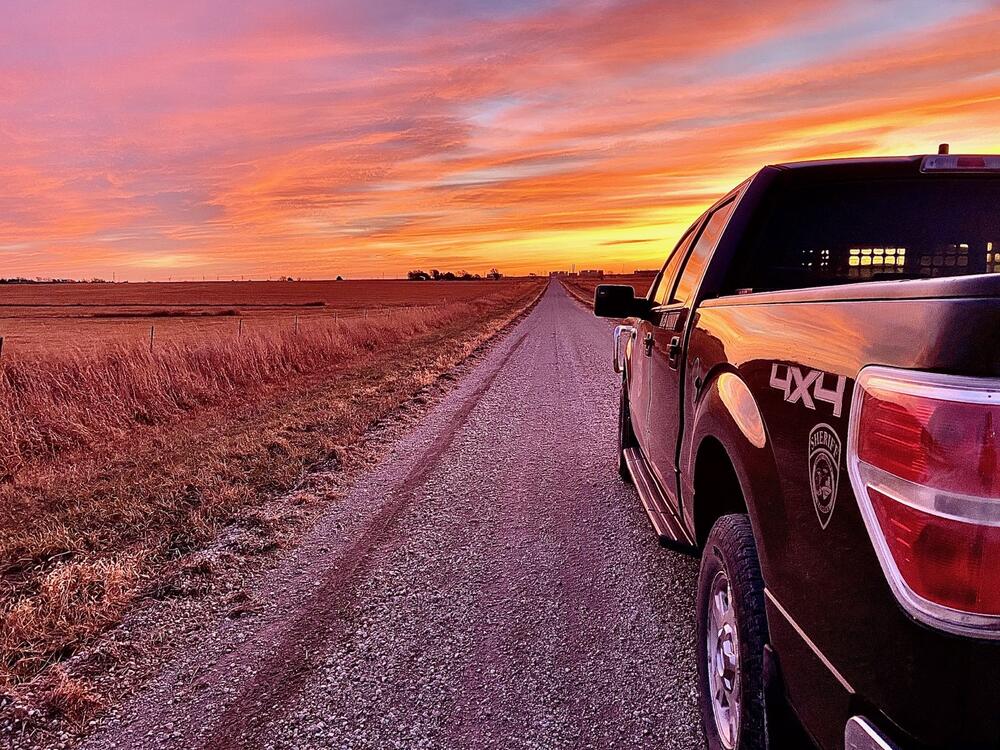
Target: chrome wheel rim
pixel 723 650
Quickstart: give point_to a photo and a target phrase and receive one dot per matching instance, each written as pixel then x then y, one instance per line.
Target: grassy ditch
pixel 115 466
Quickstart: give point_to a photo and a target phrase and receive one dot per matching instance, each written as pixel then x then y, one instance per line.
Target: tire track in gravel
pixel 491 584
pixel 282 673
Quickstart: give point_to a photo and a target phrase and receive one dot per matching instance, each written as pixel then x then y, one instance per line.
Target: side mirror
pixel 618 301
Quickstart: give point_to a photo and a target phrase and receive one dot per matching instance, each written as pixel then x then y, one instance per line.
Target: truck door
pixel 641 360
pixel 669 327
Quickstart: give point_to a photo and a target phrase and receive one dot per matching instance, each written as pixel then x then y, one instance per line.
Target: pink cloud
pixel 343 141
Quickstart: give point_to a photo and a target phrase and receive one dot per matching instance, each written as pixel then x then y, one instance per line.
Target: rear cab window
pixel 815 233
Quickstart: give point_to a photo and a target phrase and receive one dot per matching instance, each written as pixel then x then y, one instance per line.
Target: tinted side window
pixel 702 253
pixel 669 274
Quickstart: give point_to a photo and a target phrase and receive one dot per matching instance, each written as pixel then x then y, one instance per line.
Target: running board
pixel 668 527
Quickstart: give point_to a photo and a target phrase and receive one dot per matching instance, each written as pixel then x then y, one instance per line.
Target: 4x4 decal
pixel 808 388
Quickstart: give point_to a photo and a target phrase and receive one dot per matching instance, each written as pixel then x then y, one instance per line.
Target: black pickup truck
pixel 811 399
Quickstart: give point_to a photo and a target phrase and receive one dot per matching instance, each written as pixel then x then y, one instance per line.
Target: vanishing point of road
pixel 492 583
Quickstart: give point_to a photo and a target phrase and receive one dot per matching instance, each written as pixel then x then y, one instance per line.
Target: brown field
pixel 583 289
pixel 39 319
pixel 118 463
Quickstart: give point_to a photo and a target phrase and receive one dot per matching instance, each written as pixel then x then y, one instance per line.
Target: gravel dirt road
pixel 490 584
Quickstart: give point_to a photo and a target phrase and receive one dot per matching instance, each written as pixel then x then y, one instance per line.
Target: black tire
pixel 626 438
pixel 730 570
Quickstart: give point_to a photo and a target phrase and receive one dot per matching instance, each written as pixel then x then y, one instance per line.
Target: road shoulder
pixel 212 586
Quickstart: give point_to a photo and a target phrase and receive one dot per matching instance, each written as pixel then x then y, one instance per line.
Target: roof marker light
pixel 957 163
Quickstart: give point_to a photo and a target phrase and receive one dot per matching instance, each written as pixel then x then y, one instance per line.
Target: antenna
pixel 943 149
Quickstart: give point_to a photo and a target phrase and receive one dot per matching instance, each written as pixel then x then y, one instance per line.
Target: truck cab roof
pixel 904 165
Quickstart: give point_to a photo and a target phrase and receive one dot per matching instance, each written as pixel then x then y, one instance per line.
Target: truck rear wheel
pixel 732 633
pixel 626 438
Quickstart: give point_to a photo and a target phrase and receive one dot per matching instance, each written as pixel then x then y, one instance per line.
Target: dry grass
pixel 38 320
pixel 69 698
pixel 72 601
pixel 117 465
pixel 74 401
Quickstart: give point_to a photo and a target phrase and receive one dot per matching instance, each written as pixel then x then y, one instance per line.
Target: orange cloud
pixel 337 139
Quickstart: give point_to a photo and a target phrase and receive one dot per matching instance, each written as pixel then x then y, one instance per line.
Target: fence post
pixel 152 333
pixel 1 347
pixel 240 334
pixel 296 323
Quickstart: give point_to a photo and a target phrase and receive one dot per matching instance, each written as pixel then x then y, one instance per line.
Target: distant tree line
pixel 22 280
pixel 436 275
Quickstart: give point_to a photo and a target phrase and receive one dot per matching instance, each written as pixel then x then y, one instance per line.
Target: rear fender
pixel 727 413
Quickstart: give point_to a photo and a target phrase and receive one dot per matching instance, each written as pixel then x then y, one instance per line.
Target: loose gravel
pixel 490 584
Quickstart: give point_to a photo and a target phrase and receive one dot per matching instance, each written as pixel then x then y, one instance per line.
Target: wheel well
pixel 717 490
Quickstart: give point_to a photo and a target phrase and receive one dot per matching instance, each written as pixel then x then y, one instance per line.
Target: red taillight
pixel 948 445
pixel 971 162
pixel 924 463
pixel 953 563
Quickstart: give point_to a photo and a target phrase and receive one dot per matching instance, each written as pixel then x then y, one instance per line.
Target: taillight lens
pixel 923 457
pixel 953 563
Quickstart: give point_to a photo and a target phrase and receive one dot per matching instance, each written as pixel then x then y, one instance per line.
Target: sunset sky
pixel 189 138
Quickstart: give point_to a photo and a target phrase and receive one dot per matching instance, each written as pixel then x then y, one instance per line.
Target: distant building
pixel 561 274
pixel 638 272
pixel 593 274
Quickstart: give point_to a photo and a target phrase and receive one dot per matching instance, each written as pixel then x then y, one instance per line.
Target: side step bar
pixel 668 527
